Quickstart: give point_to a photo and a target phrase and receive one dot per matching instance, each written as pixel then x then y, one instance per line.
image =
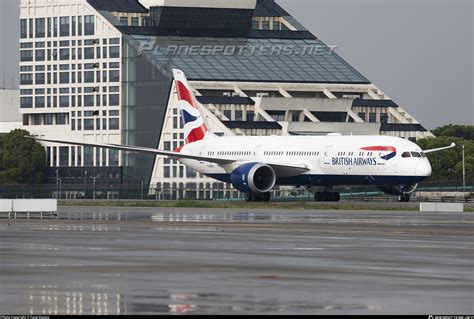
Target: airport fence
pixel 78 191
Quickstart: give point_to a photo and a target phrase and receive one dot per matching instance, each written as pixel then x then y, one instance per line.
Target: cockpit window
pixel 415 154
pixel 406 155
pixel 423 154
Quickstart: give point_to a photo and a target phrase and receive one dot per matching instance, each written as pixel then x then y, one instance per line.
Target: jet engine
pixel 256 178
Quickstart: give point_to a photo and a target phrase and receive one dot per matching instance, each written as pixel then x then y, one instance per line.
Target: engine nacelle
pixel 399 189
pixel 256 178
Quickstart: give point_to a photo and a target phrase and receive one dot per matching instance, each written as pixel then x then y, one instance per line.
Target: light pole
pixel 60 186
pixel 57 184
pixel 93 193
pixel 463 171
pixel 85 184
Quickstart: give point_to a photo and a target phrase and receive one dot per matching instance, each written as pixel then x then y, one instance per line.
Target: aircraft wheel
pixel 335 197
pixel 266 197
pixel 318 197
pixel 249 197
pixel 404 198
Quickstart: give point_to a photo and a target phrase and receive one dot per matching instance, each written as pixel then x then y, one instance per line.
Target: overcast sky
pixel 419 52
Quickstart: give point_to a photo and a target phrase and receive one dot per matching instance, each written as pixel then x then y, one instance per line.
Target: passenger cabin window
pixel 406 155
pixel 416 154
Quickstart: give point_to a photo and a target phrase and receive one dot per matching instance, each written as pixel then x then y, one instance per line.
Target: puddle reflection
pixel 107 300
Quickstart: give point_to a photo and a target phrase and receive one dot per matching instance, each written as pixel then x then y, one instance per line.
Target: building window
pixel 88 156
pixel 40 28
pixel 49 27
pixel 40 55
pixel 238 116
pixel 73 27
pixel 64 101
pixel 277 115
pixel 61 119
pixel 64 26
pixel 89 25
pixel 135 22
pixel 39 78
pixel 114 124
pixel 265 25
pixel 48 119
pixel 26 79
pixel 55 27
pixel 24 28
pixel 88 124
pixel 63 156
pixel 383 118
pixel 88 53
pixel 79 25
pixel 124 20
pixel 372 117
pixel 64 54
pixel 362 116
pixel 64 77
pixel 113 157
pixel 39 102
pixel 88 100
pixel 114 76
pixel 26 102
pixel 276 25
pixel 114 100
pixel 30 28
pixel 114 52
pixel 166 172
pixel 37 119
pixel 26 55
pixel 255 25
pixel 89 77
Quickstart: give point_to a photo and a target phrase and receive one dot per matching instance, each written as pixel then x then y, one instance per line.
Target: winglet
pixel 440 149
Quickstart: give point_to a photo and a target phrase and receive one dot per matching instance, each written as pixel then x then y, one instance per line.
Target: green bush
pixel 22 160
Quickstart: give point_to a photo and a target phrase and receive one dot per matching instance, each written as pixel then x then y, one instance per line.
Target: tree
pixel 448 164
pixel 23 160
pixel 461 131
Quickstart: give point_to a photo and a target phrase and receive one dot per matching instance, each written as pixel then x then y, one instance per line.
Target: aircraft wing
pixel 440 149
pixel 138 149
pixel 281 169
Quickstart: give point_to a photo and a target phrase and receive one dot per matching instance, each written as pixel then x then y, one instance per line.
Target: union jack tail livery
pixel 194 127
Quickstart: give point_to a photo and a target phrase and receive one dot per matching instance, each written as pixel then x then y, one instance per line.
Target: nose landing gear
pixel 404 198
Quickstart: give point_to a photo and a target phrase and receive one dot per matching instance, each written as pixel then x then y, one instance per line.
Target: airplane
pixel 254 165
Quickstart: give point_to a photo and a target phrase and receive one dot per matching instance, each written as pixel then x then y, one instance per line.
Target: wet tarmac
pixel 200 261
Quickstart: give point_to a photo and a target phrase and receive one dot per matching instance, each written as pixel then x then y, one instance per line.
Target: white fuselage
pixel 331 160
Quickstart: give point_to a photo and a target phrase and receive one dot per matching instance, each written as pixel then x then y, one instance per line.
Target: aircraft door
pixel 328 152
pixel 257 152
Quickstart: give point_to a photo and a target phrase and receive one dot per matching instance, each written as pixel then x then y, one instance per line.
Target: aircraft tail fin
pixel 194 127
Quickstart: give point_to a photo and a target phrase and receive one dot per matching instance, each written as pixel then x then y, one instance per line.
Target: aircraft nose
pixel 423 169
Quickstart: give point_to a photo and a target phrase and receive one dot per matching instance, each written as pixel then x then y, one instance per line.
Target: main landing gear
pixel 327 197
pixel 404 198
pixel 258 197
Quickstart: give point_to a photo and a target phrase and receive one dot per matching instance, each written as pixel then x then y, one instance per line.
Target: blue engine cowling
pixel 256 178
